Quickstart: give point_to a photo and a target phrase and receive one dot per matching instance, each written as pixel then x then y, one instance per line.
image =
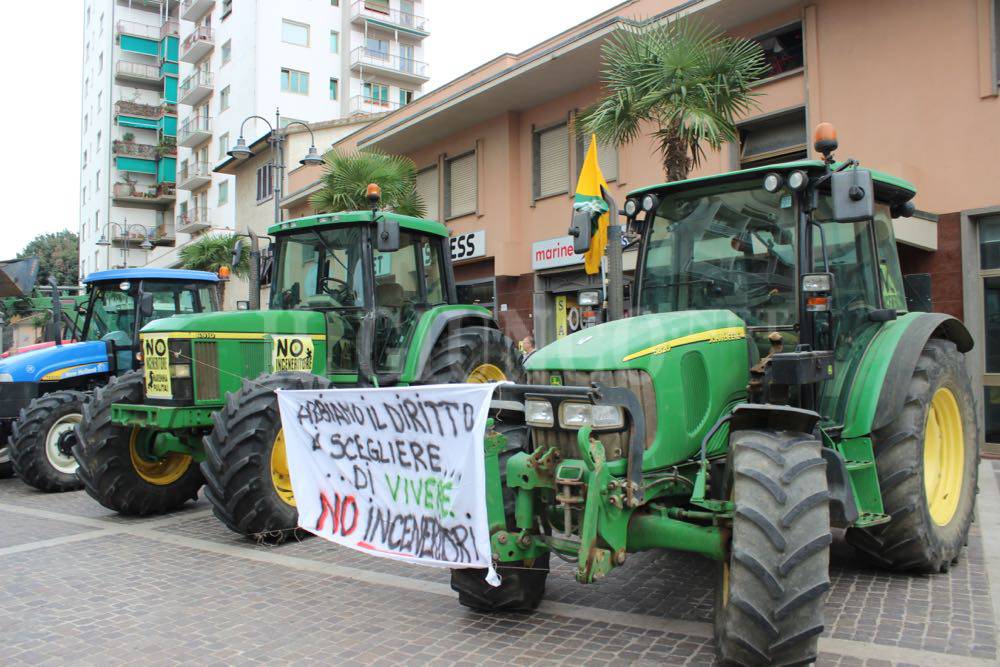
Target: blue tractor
pixel 42 392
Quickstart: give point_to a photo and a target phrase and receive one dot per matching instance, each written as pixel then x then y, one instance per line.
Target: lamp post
pixel 276 141
pixel 125 229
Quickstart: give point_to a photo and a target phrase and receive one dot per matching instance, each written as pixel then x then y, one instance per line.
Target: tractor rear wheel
pixel 6 467
pixel 473 354
pixel 117 464
pixel 245 467
pixel 42 438
pixel 928 464
pixel 772 586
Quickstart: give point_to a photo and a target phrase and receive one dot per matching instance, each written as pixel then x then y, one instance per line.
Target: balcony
pixel 138 74
pixel 164 235
pixel 197 45
pixel 379 14
pixel 170 28
pixel 363 105
pixel 193 221
pixel 194 175
pixel 144 195
pixel 143 30
pixel 192 10
pixel 195 130
pixel 390 64
pixel 132 149
pixel 195 88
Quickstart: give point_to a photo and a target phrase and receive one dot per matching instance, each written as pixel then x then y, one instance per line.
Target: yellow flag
pixel 588 192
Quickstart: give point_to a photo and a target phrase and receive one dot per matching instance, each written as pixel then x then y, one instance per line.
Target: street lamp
pixel 276 140
pixel 125 229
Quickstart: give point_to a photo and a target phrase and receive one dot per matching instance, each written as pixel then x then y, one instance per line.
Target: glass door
pixel 989 268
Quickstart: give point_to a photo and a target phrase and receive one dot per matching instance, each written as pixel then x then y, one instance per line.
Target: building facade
pixel 173 81
pixel 498 159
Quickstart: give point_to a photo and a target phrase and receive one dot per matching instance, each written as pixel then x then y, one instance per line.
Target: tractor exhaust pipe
pixel 55 328
pixel 254 270
pixel 616 276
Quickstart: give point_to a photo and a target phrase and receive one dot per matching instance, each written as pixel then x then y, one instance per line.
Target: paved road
pixel 81 585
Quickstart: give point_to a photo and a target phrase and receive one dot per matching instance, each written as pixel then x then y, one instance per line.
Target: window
pixel 335 3
pixel 294 81
pixel 227 8
pixel 224 99
pixel 223 145
pixel 405 97
pixel 334 41
pixel 782 49
pixel 996 40
pixel 607 157
pixel 83 195
pixel 379 48
pixel 334 88
pixel 84 157
pixel 223 193
pixel 265 184
pixel 227 51
pixel 427 189
pixel 777 139
pixel 989 265
pixel 376 93
pixel 294 33
pixel 100 63
pixel 550 167
pixel 99 95
pixel 97 181
pixel 461 187
pixel 380 6
pixel 98 140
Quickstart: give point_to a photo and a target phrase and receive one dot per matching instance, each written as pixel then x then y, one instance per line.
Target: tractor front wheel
pixel 245 467
pixel 118 466
pixel 928 464
pixel 473 354
pixel 42 438
pixel 772 586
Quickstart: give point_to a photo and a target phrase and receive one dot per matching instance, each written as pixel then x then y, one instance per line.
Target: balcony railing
pixel 194 130
pixel 194 175
pixel 197 44
pixel 149 193
pixel 164 234
pixel 171 28
pixel 127 70
pixel 193 221
pixel 380 12
pixel 139 110
pixel 195 87
pixel 389 61
pixel 132 149
pixel 362 104
pixel 138 30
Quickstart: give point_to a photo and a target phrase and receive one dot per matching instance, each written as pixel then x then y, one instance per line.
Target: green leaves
pixel 346 175
pixel 58 255
pixel 211 252
pixel 686 77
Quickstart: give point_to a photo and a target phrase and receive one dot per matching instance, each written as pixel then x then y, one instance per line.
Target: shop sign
pixel 553 253
pixel 468 246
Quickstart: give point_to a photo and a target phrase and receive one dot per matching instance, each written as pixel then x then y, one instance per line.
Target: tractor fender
pixel 888 364
pixel 429 330
pixel 843 508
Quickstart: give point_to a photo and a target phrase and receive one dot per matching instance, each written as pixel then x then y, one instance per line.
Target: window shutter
pixel 462 190
pixel 607 158
pixel 552 162
pixel 427 188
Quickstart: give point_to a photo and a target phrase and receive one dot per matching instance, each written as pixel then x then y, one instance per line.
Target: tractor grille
pixel 615 444
pixel 206 362
pixel 255 358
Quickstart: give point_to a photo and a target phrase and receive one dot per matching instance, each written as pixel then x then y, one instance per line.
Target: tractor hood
pixel 58 362
pixel 249 322
pixel 631 342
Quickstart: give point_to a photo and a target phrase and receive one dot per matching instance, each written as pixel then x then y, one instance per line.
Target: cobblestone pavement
pixel 81 585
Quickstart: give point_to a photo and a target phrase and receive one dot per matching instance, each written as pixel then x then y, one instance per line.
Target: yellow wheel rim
pixel 486 373
pixel 280 478
pixel 944 457
pixel 161 472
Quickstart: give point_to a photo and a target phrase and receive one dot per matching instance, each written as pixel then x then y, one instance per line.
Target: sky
pixel 40 172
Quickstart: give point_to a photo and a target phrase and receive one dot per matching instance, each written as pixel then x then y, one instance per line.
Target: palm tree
pixel 346 175
pixel 686 78
pixel 211 253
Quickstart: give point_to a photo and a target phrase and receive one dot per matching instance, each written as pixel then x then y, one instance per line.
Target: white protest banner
pixel 395 472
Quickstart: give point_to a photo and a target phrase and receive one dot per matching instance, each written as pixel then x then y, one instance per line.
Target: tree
pixel 686 78
pixel 346 175
pixel 58 255
pixel 211 253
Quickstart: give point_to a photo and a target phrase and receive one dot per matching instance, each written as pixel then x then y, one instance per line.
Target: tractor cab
pixel 372 277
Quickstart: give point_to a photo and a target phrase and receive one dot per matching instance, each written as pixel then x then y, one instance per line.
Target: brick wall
pixel 945 265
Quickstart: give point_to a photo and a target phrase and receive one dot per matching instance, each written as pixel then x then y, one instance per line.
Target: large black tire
pixel 461 355
pixel 6 467
pixel 772 587
pixel 42 438
pixel 237 466
pixel 110 462
pixel 913 540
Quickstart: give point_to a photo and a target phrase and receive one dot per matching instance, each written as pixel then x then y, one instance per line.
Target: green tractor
pixel 770 387
pixel 357 298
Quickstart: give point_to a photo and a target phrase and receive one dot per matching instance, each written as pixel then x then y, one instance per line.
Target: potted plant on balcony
pixel 167 146
pixel 128 137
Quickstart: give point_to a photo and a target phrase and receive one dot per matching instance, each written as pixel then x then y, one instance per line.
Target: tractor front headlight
pixel 538 413
pixel 574 415
pixel 178 371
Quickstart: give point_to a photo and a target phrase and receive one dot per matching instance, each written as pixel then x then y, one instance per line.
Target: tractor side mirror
pixel 237 253
pixel 853 195
pixel 243 305
pixel 917 287
pixel 387 235
pixel 580 228
pixel 146 305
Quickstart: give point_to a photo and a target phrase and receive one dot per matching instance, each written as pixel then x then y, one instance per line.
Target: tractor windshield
pixel 320 269
pixel 729 246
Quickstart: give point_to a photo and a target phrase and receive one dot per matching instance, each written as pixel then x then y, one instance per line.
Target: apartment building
pixel 912 88
pixel 182 79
